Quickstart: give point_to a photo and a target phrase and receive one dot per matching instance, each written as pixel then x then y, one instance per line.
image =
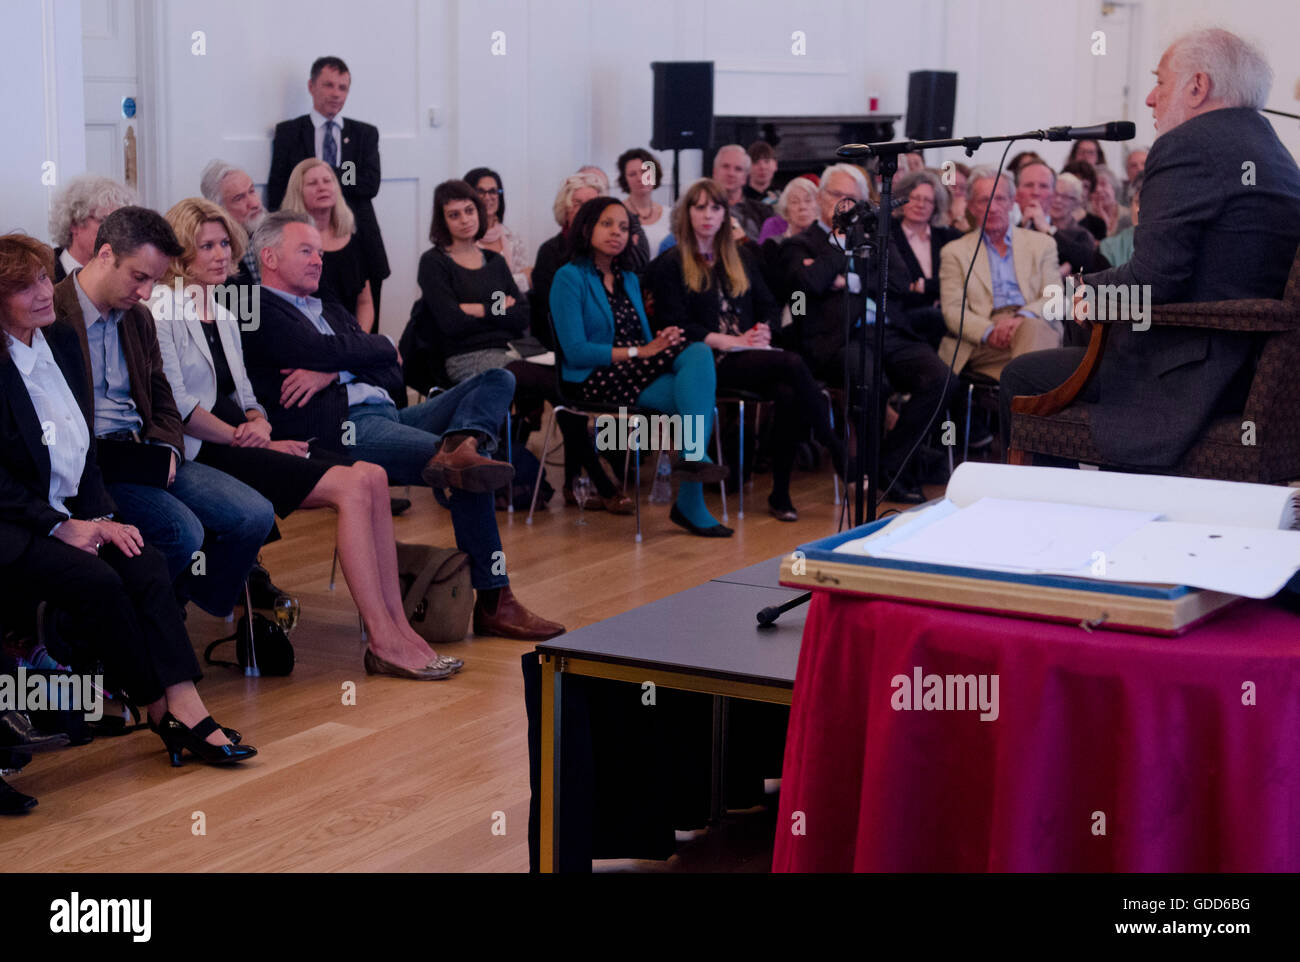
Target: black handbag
pixel 271 647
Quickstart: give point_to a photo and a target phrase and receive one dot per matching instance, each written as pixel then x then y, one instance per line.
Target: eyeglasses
pixel 489 191
pixel 840 195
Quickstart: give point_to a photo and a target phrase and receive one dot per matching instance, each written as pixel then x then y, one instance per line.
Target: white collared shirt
pixel 318 121
pixel 63 428
pixel 69 262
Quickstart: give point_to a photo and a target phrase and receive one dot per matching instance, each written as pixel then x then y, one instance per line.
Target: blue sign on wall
pixel 128 107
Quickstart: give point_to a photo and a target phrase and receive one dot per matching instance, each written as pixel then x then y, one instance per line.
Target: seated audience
pixel 1104 201
pixel 712 288
pixel 226 428
pixel 1067 208
pixel 794 211
pixel 75 215
pixel 576 190
pixel 1087 175
pixel 467 291
pixel 762 171
pixel 1134 163
pixel 1008 286
pixel 460 285
pixel 233 190
pixel 1203 236
pixel 314 190
pixel 954 178
pixel 496 235
pixel 59 542
pixel 640 175
pixel 815 264
pixel 1021 159
pixel 337 391
pixel 1036 188
pixel 639 251
pixel 608 354
pixel 731 170
pixel 182 506
pixel 1088 151
pixel 1118 248
pixel 919 235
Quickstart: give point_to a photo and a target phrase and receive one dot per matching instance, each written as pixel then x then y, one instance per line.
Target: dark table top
pixel 707 630
pixel 765 574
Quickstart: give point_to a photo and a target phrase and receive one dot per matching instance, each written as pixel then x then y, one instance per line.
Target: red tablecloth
pixel 1152 733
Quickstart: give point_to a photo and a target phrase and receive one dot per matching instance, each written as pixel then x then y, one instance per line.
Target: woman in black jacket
pixel 713 289
pixel 919 235
pixel 471 309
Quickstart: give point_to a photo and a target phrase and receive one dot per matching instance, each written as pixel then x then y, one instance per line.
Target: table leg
pixel 721 710
pixel 549 835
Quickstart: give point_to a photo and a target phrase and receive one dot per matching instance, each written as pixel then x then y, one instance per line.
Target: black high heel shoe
pixel 179 739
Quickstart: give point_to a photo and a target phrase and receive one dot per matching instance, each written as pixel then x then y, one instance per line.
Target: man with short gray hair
pixel 1220 221
pixel 232 189
pixel 731 170
pixel 76 214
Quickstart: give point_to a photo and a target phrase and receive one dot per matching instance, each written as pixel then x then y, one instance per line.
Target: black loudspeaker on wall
pixel 931 102
pixel 683 106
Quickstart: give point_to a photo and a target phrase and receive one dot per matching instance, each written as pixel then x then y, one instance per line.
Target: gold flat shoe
pixel 378 666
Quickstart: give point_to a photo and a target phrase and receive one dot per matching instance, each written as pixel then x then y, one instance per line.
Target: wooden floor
pixel 412 777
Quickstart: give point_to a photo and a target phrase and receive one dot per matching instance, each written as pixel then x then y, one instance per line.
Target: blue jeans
pixel 204 508
pixel 402 442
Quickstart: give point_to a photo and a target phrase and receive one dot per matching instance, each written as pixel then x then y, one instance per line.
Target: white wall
pixel 574 83
pixel 40 109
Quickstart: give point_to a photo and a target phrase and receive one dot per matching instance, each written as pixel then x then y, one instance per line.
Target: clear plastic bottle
pixel 661 492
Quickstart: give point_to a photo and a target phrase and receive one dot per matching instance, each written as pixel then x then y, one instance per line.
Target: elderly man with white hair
pixel 731 170
pixel 76 214
pixel 1008 286
pixel 1220 221
pixel 232 189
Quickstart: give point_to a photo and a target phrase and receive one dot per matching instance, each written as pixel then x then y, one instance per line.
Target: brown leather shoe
pixel 459 465
pixel 617 503
pixel 512 620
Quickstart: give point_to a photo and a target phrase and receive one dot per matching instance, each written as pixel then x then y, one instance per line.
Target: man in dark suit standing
pixel 349 146
pixel 1220 221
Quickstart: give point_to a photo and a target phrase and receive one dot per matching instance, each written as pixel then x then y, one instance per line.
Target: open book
pixel 1128 528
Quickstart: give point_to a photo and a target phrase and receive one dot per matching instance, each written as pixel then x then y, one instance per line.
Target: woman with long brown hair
pixel 712 288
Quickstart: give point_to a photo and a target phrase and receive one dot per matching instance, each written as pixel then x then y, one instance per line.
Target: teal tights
pixel 689 391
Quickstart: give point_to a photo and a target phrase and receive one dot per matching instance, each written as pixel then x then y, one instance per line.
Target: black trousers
pixel 910 366
pixel 127 603
pixel 534 385
pixel 1037 373
pixel 783 377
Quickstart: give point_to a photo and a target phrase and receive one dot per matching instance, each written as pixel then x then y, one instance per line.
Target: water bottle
pixel 661 492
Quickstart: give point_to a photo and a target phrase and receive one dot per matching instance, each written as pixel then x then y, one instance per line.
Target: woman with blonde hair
pixel 226 428
pixel 711 287
pixel 314 190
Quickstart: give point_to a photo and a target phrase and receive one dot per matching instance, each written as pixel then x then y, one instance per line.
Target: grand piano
pixel 804 145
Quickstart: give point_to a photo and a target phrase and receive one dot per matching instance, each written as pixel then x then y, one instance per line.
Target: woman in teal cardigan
pixel 608 355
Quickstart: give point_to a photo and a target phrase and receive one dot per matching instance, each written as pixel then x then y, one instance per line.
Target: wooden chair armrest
pixel 1055 400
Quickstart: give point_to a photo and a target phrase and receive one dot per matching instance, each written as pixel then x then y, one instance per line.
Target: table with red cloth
pixel 1184 752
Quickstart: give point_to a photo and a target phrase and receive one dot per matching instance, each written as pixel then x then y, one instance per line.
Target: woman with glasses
pixel 496 235
pixel 918 234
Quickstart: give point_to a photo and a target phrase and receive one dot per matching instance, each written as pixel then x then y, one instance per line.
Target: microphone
pixel 1115 130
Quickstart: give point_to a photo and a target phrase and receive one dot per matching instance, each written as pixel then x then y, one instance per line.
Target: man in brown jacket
pixel 179 506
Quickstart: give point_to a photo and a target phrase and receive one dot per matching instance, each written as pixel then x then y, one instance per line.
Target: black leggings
pixel 534 385
pixel 783 377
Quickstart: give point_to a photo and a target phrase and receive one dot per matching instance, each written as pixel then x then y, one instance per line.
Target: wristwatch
pixel 633 351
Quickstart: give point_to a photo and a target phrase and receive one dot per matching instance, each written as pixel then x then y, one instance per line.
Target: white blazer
pixel 187 359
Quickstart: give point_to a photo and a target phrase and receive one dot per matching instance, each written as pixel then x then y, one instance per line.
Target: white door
pixel 110 33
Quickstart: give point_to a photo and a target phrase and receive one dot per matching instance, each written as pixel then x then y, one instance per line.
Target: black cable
pixel 961 324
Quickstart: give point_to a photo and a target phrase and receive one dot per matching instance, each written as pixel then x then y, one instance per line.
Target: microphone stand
pixel 872 429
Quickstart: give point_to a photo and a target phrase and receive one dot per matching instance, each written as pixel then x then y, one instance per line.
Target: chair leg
pixel 250 670
pixel 334 565
pixel 361 625
pixel 638 487
pixel 541 468
pixel 510 457
pixel 830 407
pixel 740 459
pixel 717 437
